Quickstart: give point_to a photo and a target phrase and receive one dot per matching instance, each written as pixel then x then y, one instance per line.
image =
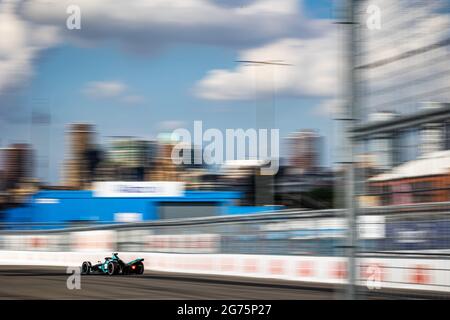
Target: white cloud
pixel 148 25
pixel 133 99
pixel 27 27
pixel 104 89
pixel 312 70
pixel 275 29
pixel 20 43
pixel 170 125
pixel 112 90
pixel 316 70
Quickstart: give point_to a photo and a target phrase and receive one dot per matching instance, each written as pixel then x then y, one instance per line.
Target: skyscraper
pixel 164 168
pixel 81 138
pixel 304 150
pixel 131 157
pixel 18 164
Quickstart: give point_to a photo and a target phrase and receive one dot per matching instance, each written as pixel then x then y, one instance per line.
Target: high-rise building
pixel 131 157
pixel 192 156
pixel 81 138
pixel 403 84
pixel 164 169
pixel 304 148
pixel 394 73
pixel 18 164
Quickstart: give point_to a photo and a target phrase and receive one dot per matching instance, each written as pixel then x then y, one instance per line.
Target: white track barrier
pixel 401 273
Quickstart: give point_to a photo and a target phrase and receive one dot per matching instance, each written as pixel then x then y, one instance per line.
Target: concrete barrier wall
pixel 415 274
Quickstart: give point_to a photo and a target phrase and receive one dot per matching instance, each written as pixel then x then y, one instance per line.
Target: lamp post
pixel 349 118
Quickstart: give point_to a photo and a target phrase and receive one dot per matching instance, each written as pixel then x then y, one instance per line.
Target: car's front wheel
pixel 86 267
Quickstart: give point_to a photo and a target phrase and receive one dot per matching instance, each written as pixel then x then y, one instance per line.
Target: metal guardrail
pixel 242 218
pixel 398 211
pixel 417 230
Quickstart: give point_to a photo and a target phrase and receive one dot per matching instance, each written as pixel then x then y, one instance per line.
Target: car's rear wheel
pixel 119 269
pixel 140 268
pixel 86 267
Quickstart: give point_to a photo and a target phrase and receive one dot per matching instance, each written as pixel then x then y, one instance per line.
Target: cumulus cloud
pixel 112 89
pixel 315 62
pixel 104 89
pixel 31 26
pixel 311 70
pixel 144 25
pixel 133 99
pixel 21 41
pixel 28 27
pixel 170 125
pixel 275 29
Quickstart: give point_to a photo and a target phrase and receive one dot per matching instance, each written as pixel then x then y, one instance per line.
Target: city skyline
pixel 107 145
pixel 144 92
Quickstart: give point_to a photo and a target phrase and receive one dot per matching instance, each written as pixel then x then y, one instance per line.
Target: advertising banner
pixel 143 189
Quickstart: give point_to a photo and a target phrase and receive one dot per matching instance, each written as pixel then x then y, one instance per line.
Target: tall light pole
pixel 349 118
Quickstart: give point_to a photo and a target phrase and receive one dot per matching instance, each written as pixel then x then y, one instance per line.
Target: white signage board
pixel 46 201
pixel 136 189
pixel 371 227
pixel 127 217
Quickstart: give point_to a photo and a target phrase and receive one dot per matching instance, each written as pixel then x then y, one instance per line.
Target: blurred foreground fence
pixel 398 247
pixel 418 229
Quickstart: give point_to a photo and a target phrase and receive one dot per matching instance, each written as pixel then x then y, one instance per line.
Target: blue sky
pixel 163 88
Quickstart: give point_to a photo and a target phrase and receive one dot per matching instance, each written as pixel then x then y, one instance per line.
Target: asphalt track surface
pixel 19 282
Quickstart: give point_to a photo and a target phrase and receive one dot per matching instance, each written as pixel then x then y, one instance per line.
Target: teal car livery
pixel 114 265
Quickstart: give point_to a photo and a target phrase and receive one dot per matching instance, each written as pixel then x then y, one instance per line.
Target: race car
pixel 114 265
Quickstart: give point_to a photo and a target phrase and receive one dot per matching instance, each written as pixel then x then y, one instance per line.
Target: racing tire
pixel 140 268
pixel 86 267
pixel 111 269
pixel 119 269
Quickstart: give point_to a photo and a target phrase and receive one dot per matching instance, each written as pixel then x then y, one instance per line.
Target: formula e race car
pixel 114 265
